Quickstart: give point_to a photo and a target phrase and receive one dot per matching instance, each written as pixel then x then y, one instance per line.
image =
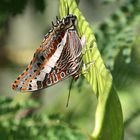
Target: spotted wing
pixel 41 63
pixel 52 64
pixel 69 63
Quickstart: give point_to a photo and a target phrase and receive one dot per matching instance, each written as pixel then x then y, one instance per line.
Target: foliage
pixel 98 76
pixel 118 39
pixel 12 7
pixel 17 121
pixel 116 34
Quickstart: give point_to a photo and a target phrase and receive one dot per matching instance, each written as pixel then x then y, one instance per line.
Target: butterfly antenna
pixel 57 18
pixel 52 23
pixel 67 8
pixel 69 92
pixel 68 11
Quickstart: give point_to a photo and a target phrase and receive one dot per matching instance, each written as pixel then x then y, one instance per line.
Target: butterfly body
pixel 58 57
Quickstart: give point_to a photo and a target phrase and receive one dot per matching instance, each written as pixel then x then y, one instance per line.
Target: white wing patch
pixel 52 61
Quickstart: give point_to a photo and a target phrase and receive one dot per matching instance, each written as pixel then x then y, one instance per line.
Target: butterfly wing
pixel 69 63
pixel 43 61
pixel 58 57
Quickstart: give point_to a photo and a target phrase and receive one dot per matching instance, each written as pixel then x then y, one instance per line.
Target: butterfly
pixel 58 57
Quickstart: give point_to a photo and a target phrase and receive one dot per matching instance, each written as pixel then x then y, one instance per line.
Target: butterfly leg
pixel 87 66
pixel 84 44
pixel 83 41
pixel 85 50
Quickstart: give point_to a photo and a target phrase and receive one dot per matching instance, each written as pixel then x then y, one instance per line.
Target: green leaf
pixel 109 120
pixel 116 36
pixel 15 123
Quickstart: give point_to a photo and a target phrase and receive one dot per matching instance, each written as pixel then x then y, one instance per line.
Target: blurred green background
pixel 43 114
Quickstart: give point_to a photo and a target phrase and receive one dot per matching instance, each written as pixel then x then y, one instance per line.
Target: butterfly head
pixel 66 23
pixel 70 19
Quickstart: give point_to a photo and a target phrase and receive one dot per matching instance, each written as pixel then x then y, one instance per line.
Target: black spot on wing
pixel 62 74
pixel 18 78
pixel 42 57
pixel 27 69
pixel 39 84
pixel 53 70
pixel 46 76
pixel 29 88
pixel 35 70
pixel 47 82
pixel 30 85
pixel 55 77
pixel 31 62
pixel 38 64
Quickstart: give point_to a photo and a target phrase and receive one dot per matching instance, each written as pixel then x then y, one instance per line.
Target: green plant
pixel 118 42
pixel 108 121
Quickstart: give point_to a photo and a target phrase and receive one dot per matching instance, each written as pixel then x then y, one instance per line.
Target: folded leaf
pixel 109 119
